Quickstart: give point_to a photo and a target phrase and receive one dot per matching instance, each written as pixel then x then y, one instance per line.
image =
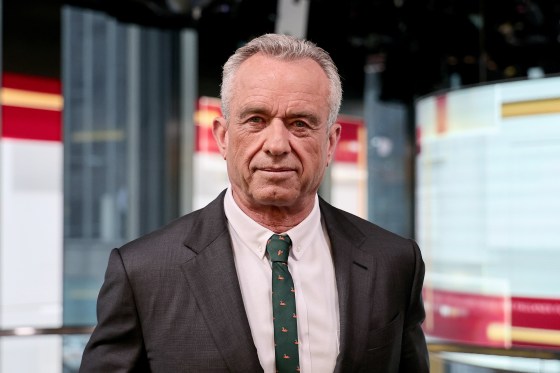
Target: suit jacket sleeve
pixel 414 353
pixel 116 344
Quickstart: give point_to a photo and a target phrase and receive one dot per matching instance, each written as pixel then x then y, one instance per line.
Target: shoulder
pixel 342 220
pixel 365 235
pixel 169 243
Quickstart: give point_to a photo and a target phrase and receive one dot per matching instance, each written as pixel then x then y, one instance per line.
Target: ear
pixel 334 136
pixel 219 130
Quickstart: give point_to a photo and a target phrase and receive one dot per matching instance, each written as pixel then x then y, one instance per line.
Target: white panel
pixel 31 354
pixel 31 235
pixel 210 178
pixel 348 188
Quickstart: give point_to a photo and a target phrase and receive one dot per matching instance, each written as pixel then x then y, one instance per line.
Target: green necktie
pixel 283 305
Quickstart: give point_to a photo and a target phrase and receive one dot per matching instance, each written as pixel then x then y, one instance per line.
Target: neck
pixel 278 219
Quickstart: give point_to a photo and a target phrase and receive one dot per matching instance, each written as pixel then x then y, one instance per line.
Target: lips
pixel 276 172
pixel 276 169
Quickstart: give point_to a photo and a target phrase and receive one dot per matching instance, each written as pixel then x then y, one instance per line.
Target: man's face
pixel 276 141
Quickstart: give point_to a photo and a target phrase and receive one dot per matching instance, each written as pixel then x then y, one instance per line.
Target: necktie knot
pixel 278 247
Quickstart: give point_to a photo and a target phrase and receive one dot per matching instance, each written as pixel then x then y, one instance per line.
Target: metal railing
pixel 433 346
pixel 26 331
pixel 440 351
pixel 444 346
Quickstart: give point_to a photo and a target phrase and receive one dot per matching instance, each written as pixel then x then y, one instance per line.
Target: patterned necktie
pixel 283 305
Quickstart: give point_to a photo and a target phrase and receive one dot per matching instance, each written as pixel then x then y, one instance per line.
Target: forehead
pixel 261 66
pixel 271 81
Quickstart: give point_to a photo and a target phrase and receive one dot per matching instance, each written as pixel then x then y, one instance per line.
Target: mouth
pixel 276 172
pixel 276 169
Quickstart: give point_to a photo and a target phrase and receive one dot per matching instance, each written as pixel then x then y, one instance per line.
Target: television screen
pixel 488 213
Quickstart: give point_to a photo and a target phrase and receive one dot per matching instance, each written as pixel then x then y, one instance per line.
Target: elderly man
pixel 268 277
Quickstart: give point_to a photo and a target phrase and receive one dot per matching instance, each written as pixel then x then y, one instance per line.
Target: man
pixel 268 277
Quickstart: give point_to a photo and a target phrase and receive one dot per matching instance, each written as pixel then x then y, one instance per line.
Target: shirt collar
pixel 254 236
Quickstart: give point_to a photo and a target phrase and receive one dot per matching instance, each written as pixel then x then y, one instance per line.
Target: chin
pixel 275 197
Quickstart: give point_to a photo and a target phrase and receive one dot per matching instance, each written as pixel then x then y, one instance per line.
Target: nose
pixel 277 138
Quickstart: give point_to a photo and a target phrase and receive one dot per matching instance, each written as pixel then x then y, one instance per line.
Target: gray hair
pixel 287 48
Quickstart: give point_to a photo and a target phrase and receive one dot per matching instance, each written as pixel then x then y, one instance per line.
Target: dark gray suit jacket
pixel 171 301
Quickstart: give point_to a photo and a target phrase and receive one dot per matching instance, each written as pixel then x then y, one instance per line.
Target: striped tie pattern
pixel 283 305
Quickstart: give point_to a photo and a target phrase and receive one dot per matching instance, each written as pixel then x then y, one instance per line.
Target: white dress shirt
pixel 310 264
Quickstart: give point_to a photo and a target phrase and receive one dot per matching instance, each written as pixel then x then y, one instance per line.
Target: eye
pixel 255 120
pixel 299 124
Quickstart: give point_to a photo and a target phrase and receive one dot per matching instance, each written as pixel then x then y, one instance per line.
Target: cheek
pixel 313 157
pixel 242 150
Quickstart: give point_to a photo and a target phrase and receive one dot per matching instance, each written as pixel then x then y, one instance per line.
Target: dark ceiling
pixel 423 42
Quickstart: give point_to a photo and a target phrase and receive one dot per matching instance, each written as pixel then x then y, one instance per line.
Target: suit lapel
pixel 212 278
pixel 355 272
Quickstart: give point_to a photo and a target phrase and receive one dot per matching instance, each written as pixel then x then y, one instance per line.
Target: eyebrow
pixel 313 119
pixel 253 110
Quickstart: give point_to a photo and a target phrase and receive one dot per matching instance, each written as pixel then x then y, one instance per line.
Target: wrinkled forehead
pixel 264 65
pixel 284 84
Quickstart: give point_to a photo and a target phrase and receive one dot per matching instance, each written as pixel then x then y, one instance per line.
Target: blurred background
pixel 451 136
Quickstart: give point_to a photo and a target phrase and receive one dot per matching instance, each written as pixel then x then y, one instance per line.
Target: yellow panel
pixel 30 99
pixel 497 332
pixel 514 109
